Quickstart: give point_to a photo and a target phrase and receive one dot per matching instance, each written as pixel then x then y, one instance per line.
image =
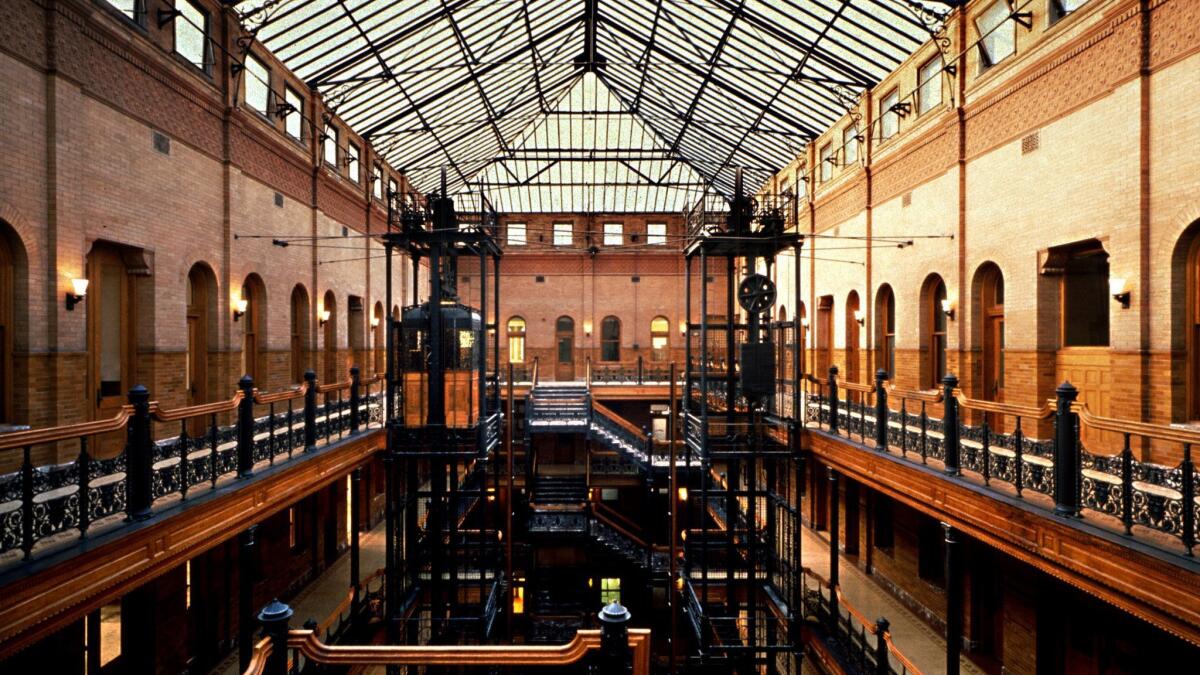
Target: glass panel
pixel 826 162
pixel 613 235
pixel 565 324
pixel 293 121
pixel 110 316
pixel 1086 301
pixel 659 324
pixel 258 87
pixel 191 34
pixel 997 35
pixel 929 89
pixel 352 162
pixel 516 234
pixel 130 8
pixel 564 349
pixel 516 349
pixel 377 182
pixel 331 143
pixel 890 121
pixel 850 145
pixel 610 590
pixel 563 234
pixel 656 234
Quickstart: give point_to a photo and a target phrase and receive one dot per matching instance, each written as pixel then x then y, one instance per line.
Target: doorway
pixel 564 340
pixel 992 353
pixel 110 317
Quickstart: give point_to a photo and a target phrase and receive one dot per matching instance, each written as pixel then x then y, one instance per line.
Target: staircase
pixel 558 407
pixel 559 490
pixel 621 546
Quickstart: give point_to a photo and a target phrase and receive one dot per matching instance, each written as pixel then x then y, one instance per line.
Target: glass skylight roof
pixel 588 105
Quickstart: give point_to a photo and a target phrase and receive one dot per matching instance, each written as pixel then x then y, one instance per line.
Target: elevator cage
pixel 740 577
pixel 444 557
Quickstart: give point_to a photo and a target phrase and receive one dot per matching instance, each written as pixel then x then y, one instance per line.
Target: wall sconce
pixel 948 308
pixel 587 327
pixel 323 317
pixel 804 322
pixel 683 328
pixel 1116 286
pixel 859 316
pixel 77 293
pixel 239 308
pixel 683 494
pixel 374 322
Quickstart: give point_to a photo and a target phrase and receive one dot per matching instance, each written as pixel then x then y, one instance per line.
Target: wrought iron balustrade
pixel 866 646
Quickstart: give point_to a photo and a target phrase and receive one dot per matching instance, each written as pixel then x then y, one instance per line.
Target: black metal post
pixel 310 411
pixel 833 400
pixel 1188 488
pixel 954 599
pixel 1066 453
pixel 245 428
pixel 614 639
pixel 246 597
pixel 950 443
pixel 882 667
pixel 355 399
pixel 881 411
pixel 834 526
pixel 391 587
pixel 355 507
pixel 274 619
pixel 139 457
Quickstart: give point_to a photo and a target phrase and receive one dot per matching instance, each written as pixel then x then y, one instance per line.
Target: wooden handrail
pixel 20 439
pixel 909 666
pixel 601 511
pixel 310 645
pixel 926 395
pixel 857 386
pixel 998 407
pixel 1148 429
pixel 620 421
pixel 534 378
pixel 186 412
pixel 333 386
pixel 286 395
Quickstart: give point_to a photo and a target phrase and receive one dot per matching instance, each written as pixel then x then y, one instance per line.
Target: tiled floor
pixel 911 635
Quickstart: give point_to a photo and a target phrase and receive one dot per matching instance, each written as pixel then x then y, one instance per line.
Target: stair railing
pixel 534 378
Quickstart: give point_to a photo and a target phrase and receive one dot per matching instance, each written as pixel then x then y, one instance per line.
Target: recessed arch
pixel 201 317
pixel 610 339
pixel 329 318
pixel 660 338
pixel 885 330
pixel 933 322
pixel 987 330
pixel 853 315
pixel 516 328
pixel 300 343
pixel 14 280
pixel 254 329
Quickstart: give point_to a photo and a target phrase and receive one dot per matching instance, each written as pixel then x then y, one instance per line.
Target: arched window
pixel 885 330
pixel 377 337
pixel 989 330
pixel 254 334
pixel 516 340
pixel 610 339
pixel 933 331
pixel 299 333
pixel 328 319
pixel 201 330
pixel 564 339
pixel 660 338
pixel 853 316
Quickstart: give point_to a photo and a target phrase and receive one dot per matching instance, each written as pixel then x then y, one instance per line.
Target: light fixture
pixel 323 317
pixel 683 327
pixel 239 308
pixel 804 322
pixel 683 535
pixel 374 322
pixel 77 293
pixel 859 316
pixel 679 583
pixel 1116 286
pixel 587 327
pixel 683 494
pixel 947 308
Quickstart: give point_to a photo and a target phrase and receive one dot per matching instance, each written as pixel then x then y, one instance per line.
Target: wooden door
pixel 197 340
pixel 564 357
pixel 110 349
pixel 7 299
pixel 993 357
pixel 1089 370
pixel 824 336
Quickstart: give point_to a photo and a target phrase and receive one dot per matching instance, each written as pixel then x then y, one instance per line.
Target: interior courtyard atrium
pixel 324 348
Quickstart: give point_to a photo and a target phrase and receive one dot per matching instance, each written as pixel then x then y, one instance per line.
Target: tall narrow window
pixel 853 316
pixel 885 330
pixel 929 85
pixel 516 234
pixel 656 234
pixel 293 120
pixel 849 145
pixel 563 235
pixel 377 181
pixel 827 160
pixel 889 117
pixel 258 84
pixel 610 590
pixel 613 235
pixel 331 145
pixel 934 328
pixel 352 162
pixel 299 333
pixel 191 35
pixel 516 340
pixel 610 339
pixel 990 329
pixel 660 338
pixel 997 34
pixel 1085 299
pixel 393 187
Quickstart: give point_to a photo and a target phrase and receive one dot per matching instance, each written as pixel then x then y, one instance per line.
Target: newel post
pixel 1066 452
pixel 882 667
pixel 139 457
pixel 355 399
pixel 310 411
pixel 881 411
pixel 245 428
pixel 614 639
pixel 274 619
pixel 833 400
pixel 950 442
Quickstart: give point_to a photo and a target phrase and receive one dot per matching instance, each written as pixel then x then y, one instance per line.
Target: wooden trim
pixel 1158 587
pixel 44 601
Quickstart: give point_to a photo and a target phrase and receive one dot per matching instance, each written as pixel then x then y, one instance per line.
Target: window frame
pixel 986 59
pixel 825 159
pixel 564 228
pixel 377 181
pixel 616 238
pixel 250 79
pixel 206 56
pixel 510 229
pixel 849 140
pixel 656 239
pixel 1055 12
pixel 331 136
pixel 887 112
pixel 516 336
pixel 610 342
pixel 137 18
pixel 660 353
pixel 935 82
pixel 296 100
pixel 353 163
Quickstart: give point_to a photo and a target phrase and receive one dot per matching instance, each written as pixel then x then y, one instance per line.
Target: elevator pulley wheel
pixel 756 293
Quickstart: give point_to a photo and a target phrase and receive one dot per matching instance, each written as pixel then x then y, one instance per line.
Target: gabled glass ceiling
pixel 589 105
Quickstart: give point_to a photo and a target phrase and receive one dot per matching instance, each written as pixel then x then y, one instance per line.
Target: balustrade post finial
pixel 355 399
pixel 310 411
pixel 950 439
pixel 245 428
pixel 614 638
pixel 1066 452
pixel 882 667
pixel 274 619
pixel 139 457
pixel 881 411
